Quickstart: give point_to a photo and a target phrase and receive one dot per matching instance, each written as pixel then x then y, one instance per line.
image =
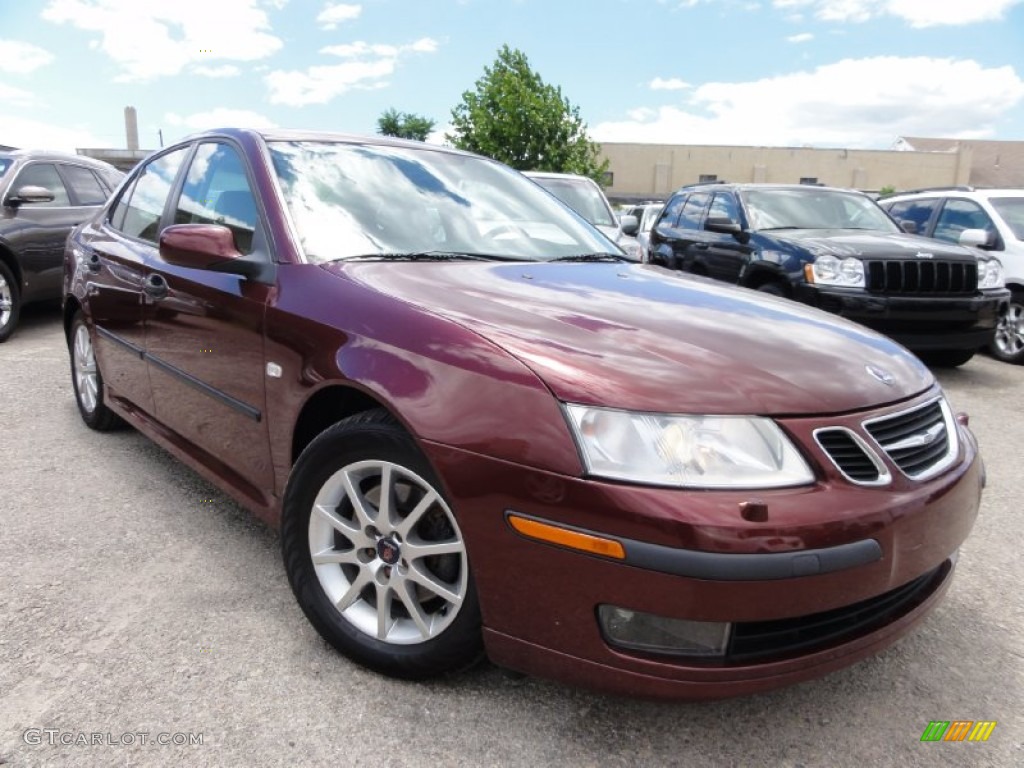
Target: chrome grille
pixel 922 276
pixel 920 441
pixel 851 456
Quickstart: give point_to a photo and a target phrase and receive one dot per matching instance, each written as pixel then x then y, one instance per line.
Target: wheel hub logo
pixel 958 730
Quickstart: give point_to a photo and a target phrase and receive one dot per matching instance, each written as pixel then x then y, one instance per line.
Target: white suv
pixel 991 219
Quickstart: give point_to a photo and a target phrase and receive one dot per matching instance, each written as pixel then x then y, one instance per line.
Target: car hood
pixel 865 244
pixel 643 338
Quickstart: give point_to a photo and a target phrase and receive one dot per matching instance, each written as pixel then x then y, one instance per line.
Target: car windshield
pixel 5 163
pixel 813 208
pixel 356 201
pixel 1012 211
pixel 583 196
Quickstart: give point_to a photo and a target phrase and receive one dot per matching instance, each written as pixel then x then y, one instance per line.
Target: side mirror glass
pixel 908 226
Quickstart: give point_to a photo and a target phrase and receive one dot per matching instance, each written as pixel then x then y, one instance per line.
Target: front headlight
pixel 632 248
pixel 686 451
pixel 990 274
pixel 828 270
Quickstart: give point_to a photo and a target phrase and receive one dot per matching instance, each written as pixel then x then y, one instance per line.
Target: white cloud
pixel 225 70
pixel 917 13
pixel 154 38
pixel 12 96
pixel 803 37
pixel 21 58
pixel 18 131
pixel 220 118
pixel 334 14
pixel 670 84
pixel 854 102
pixel 367 67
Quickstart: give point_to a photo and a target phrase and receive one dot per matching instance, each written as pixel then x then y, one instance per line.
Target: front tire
pixel 87 380
pixel 947 358
pixel 1008 344
pixel 10 302
pixel 374 554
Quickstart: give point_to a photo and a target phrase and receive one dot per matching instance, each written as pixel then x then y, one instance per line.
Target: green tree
pixel 404 125
pixel 515 117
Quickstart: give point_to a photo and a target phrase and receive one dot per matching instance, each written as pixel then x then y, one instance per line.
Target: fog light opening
pixel 638 631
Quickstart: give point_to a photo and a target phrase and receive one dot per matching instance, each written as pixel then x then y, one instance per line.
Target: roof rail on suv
pixel 957 188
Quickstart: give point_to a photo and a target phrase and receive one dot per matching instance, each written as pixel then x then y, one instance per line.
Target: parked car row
pixel 837 250
pixel 43 195
pixel 481 429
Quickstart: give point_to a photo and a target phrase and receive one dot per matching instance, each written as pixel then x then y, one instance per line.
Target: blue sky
pixel 854 73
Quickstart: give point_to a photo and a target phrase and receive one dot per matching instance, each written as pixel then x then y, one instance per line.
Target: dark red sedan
pixel 480 430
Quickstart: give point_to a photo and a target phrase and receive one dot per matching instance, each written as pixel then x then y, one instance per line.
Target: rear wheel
pixel 1008 344
pixel 947 358
pixel 87 379
pixel 374 554
pixel 10 302
pixel 772 288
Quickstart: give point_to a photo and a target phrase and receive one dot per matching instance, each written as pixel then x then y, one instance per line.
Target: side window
pixel 140 208
pixel 217 191
pixel 918 211
pixel 958 215
pixel 84 185
pixel 690 217
pixel 723 206
pixel 672 210
pixel 43 175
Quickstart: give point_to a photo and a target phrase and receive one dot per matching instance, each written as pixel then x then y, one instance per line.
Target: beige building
pixel 653 171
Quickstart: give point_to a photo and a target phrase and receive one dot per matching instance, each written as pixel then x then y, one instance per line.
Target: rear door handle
pixel 155 286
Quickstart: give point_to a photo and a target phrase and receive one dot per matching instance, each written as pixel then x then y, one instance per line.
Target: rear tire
pixel 1008 344
pixel 87 380
pixel 10 302
pixel 374 554
pixel 947 358
pixel 774 289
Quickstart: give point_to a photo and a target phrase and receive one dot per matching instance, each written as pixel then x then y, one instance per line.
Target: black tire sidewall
pixel 361 438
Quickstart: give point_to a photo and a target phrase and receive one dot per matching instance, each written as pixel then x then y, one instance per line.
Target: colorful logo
pixel 958 730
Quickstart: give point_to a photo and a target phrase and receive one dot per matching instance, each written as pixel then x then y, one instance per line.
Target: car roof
pixel 281 134
pixel 46 154
pixel 554 175
pixel 714 185
pixel 958 191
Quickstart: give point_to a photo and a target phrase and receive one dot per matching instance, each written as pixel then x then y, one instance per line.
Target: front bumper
pixel 539 602
pixel 920 323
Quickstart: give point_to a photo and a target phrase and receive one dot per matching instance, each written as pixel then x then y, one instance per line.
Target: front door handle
pixel 155 286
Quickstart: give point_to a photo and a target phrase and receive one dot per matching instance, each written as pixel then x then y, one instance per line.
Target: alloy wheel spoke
pixel 351 532
pixel 354 590
pixel 410 520
pixel 403 590
pixel 384 620
pixel 386 505
pixel 416 550
pixel 360 506
pixel 430 582
pixel 334 556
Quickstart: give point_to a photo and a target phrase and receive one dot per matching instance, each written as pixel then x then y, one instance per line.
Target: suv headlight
pixel 990 274
pixel 686 451
pixel 632 248
pixel 828 270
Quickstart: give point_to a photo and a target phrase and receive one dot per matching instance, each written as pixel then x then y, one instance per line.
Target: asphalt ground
pixel 138 603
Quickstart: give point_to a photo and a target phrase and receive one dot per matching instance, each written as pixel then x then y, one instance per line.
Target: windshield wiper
pixel 590 257
pixel 431 256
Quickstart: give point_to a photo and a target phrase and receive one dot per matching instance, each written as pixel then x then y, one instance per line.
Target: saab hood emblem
pixel 881 374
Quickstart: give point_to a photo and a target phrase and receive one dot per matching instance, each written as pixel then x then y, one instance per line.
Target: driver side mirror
pixel 629 224
pixel 29 194
pixel 975 238
pixel 204 246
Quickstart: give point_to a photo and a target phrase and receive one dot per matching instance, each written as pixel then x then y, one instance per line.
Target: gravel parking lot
pixel 139 604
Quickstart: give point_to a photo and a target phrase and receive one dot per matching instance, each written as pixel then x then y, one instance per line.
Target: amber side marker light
pixel 563 537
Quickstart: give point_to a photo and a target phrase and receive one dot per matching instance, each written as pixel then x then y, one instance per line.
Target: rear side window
pixel 43 175
pixel 672 210
pixel 217 192
pixel 958 215
pixel 140 208
pixel 918 211
pixel 84 185
pixel 694 207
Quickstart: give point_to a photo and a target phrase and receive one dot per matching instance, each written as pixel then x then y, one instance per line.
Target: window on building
pixel 808 179
pixel 707 178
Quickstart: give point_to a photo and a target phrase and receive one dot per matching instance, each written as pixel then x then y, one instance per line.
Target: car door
pixel 37 231
pixel 117 250
pixel 691 242
pixel 726 257
pixel 204 333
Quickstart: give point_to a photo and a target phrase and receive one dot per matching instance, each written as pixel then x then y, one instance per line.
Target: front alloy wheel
pixel 87 380
pixel 10 305
pixel 1008 344
pixel 375 555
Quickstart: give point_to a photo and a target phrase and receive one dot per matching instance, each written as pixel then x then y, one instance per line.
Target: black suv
pixel 43 195
pixel 837 250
